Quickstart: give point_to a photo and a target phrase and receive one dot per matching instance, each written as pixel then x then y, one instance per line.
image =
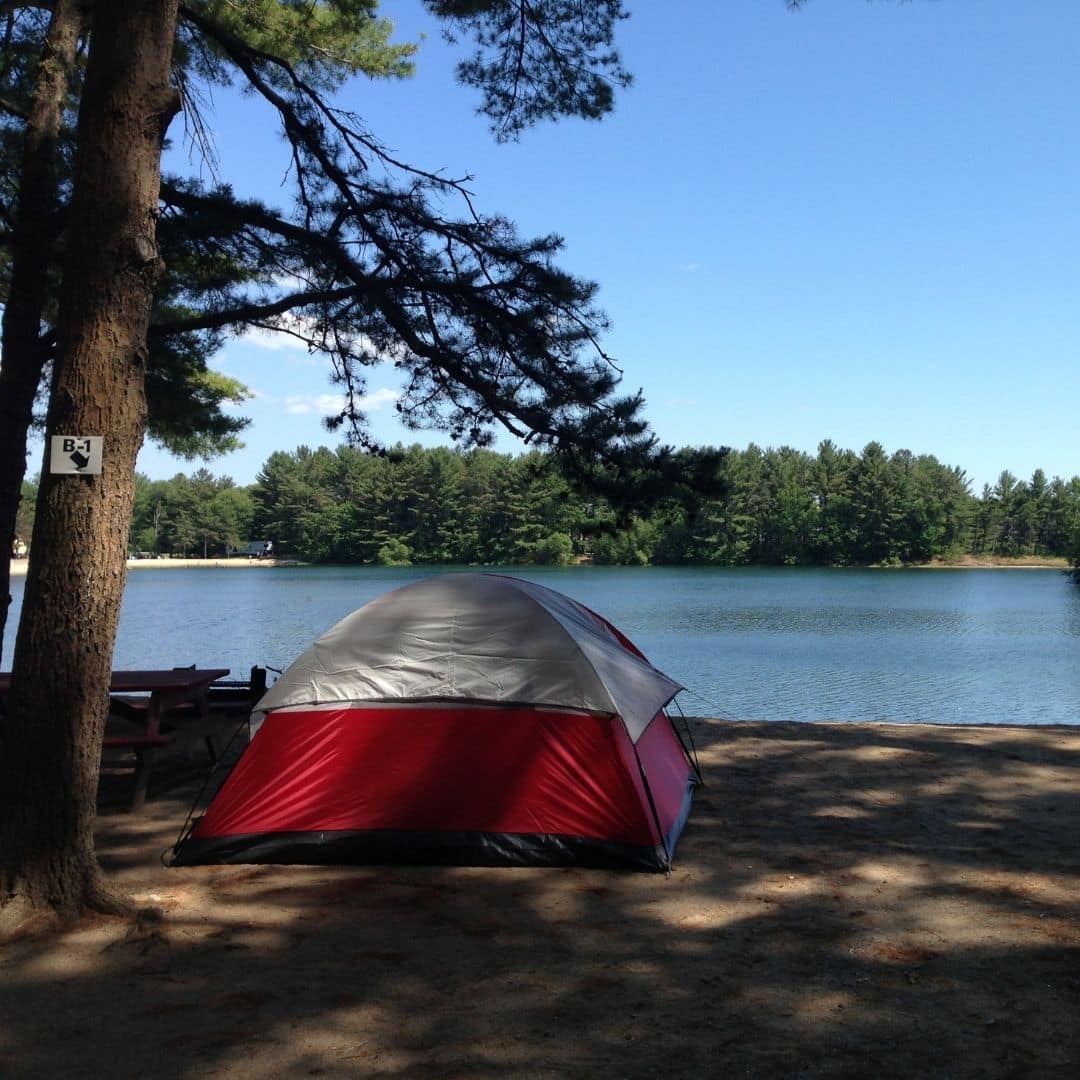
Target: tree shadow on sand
pixel 847 899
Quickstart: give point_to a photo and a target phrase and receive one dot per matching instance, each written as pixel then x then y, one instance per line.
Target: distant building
pixel 254 549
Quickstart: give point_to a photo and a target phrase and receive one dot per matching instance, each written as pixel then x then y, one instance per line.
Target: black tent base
pixel 419 848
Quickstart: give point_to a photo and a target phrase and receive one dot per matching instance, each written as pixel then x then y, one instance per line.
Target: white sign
pixel 80 454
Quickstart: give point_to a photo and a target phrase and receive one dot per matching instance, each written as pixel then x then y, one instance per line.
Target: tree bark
pixel 22 355
pixel 63 657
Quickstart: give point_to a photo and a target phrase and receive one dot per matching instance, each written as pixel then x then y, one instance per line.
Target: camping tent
pixel 466 718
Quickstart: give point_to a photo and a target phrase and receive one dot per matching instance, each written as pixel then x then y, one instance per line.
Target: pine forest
pixel 416 505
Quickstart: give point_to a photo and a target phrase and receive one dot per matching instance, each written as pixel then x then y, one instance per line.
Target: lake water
pixel 931 646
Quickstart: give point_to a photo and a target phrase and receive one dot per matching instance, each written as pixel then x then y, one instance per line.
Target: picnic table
pixel 159 693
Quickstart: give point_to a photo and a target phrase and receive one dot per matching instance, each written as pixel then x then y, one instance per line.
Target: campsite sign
pixel 76 454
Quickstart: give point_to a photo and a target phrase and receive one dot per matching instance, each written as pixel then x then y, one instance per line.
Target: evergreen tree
pixel 479 507
pixel 875 497
pixel 487 329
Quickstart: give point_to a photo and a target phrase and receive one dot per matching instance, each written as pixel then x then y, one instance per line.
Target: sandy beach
pixel 848 900
pixel 968 562
pixel 19 566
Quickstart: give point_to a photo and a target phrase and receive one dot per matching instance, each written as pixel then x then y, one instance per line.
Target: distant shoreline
pixel 19 566
pixel 968 562
pixel 989 562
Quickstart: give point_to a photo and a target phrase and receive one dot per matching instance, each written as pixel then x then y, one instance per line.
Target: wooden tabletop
pixel 124 682
pixel 127 682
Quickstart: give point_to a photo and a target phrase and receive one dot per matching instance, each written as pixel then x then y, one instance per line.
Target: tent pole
pixel 189 824
pixel 691 753
pixel 652 806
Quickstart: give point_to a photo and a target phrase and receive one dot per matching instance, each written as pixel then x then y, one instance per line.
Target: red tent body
pixel 462 782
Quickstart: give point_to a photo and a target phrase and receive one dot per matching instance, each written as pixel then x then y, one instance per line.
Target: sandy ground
pixel 849 901
pixel 993 562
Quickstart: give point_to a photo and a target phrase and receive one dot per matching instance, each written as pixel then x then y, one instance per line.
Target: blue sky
pixel 857 221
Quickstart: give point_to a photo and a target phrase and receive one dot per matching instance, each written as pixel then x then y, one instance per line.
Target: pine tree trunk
pixel 22 356
pixel 63 657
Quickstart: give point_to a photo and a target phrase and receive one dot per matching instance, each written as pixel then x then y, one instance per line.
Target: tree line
pixel 759 507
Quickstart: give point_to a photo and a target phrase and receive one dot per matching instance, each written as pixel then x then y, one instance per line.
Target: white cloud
pixel 378 399
pixel 268 339
pixel 329 404
pixel 287 341
pixel 324 404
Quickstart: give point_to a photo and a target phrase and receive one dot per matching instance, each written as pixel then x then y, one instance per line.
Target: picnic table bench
pixel 149 698
pixel 143 747
pixel 160 693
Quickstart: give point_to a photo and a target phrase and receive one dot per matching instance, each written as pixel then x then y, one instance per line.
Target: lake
pixel 928 646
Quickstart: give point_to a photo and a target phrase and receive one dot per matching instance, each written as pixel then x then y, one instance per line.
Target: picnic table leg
pixel 144 755
pixel 144 763
pixel 153 715
pixel 202 704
